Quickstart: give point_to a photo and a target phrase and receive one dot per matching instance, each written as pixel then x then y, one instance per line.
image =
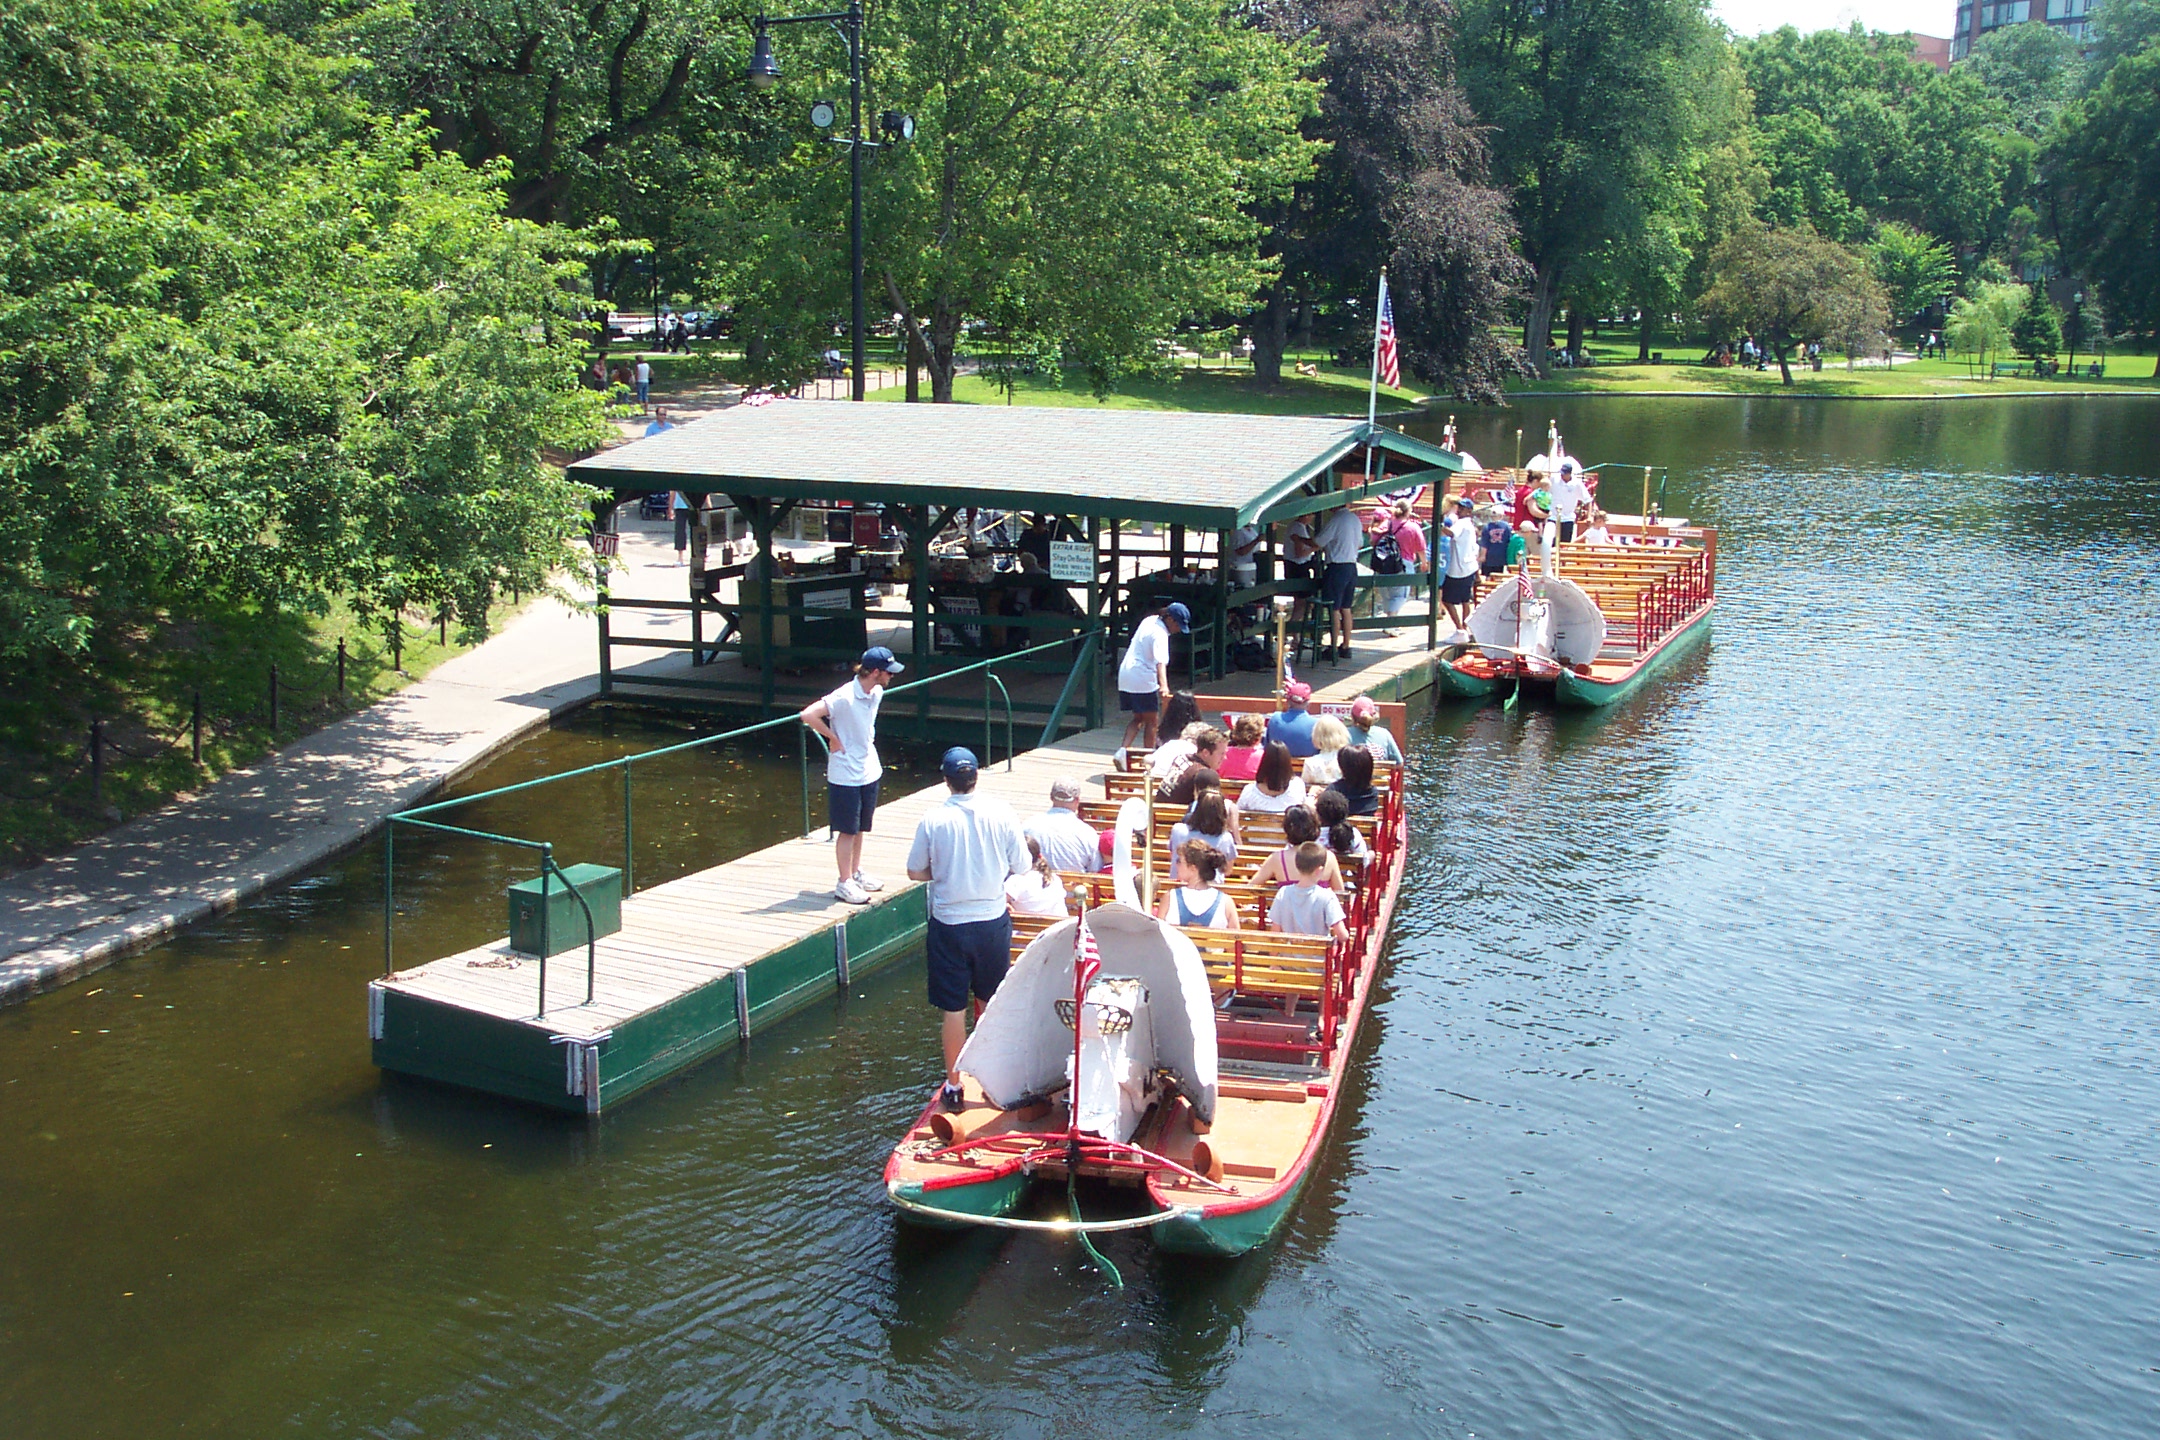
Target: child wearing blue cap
pixel 847 720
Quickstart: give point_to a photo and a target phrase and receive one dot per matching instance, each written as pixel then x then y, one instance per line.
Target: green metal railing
pixel 1083 665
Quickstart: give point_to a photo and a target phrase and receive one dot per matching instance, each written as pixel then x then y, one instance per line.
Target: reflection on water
pixel 1774 1055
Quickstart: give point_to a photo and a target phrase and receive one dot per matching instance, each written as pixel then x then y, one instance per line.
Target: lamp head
pixel 764 71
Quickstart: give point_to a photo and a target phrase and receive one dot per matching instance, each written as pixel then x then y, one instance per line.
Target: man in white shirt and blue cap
pixel 966 849
pixel 847 720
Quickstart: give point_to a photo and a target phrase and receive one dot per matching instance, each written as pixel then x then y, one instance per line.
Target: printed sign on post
pixel 1072 561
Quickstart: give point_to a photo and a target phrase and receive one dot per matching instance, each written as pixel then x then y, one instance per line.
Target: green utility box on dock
pixel 599 884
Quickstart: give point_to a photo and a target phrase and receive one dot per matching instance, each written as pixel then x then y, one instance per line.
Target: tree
pixel 1083 174
pixel 1792 285
pixel 2032 70
pixel 257 345
pixel 2119 30
pixel 1854 131
pixel 1399 183
pixel 1587 100
pixel 1980 323
pixel 2036 333
pixel 1914 270
pixel 2106 164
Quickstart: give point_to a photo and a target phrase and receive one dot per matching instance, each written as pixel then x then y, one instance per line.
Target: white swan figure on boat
pixel 1147 1024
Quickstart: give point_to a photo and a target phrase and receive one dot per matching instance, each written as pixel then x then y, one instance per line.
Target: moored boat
pixel 1192 1074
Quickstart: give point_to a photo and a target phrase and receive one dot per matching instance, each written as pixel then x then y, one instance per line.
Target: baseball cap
pixel 1297 692
pixel 1464 502
pixel 1364 706
pixel 877 657
pixel 958 761
pixel 1064 788
pixel 1180 614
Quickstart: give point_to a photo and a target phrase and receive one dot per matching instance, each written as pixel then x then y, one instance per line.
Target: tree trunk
pixel 944 338
pixel 1304 322
pixel 1537 333
pixel 1642 339
pixel 1782 368
pixel 1270 325
pixel 1574 333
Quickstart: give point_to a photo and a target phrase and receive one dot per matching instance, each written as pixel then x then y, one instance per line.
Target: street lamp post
pixel 764 71
pixel 2077 315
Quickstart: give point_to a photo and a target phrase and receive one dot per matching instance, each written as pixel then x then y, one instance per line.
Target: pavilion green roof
pixel 1205 470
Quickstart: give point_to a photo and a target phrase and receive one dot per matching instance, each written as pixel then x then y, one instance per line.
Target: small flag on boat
pixel 1089 965
pixel 1525 592
pixel 1390 361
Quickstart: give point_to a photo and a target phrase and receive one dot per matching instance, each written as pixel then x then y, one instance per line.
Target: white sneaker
pixel 851 892
pixel 869 882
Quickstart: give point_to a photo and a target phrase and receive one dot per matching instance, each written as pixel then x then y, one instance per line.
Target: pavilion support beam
pixel 1220 648
pixel 1094 609
pixel 602 512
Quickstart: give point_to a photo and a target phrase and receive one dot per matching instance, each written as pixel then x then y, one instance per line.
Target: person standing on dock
pixel 847 721
pixel 965 850
pixel 1143 677
pixel 1459 588
pixel 1340 539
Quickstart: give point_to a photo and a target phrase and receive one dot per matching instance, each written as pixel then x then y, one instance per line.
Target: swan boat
pixel 1189 1076
pixel 1590 637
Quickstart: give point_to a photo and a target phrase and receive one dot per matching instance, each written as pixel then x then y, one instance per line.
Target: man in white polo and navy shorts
pixel 966 849
pixel 847 719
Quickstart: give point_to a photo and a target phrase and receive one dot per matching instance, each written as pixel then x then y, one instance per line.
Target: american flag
pixel 1089 965
pixel 1390 362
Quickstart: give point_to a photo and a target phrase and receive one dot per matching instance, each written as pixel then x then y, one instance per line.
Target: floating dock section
pixel 704 962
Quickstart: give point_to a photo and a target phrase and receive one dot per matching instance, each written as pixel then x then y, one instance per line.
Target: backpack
pixel 1387 552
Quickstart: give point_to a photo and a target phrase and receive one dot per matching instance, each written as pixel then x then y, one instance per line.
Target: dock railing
pixel 1085 646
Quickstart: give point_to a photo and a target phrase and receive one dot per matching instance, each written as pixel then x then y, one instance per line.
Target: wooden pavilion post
pixel 916 521
pixel 1094 609
pixel 696 584
pixel 1222 604
pixel 600 512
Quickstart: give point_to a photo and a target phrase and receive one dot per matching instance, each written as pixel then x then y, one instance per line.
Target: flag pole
pixel 1372 394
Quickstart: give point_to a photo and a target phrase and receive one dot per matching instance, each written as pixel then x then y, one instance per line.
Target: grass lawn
pixel 1617 374
pixel 1229 391
pixel 141 681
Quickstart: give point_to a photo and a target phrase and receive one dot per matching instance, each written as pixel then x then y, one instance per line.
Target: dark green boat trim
pixel 1458 686
pixel 991 1199
pixel 1226 1236
pixel 1573 689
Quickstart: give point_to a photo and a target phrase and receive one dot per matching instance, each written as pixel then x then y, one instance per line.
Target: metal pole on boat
pixel 1644 517
pixel 1282 625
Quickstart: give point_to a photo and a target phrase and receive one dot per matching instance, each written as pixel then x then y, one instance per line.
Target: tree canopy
pixel 1789 286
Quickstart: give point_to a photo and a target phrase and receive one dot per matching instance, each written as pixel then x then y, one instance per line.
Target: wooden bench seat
pixel 1245 962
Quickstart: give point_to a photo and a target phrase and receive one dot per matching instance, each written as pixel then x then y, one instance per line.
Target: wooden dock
pixel 704 961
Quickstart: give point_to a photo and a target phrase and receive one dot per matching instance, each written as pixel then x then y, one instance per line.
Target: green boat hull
pixel 988 1199
pixel 1457 685
pixel 1225 1236
pixel 1575 690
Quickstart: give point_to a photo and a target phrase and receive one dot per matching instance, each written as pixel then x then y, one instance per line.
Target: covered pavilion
pixel 1097 475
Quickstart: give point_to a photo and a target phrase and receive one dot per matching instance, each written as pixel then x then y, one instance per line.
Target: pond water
pixel 1774 1055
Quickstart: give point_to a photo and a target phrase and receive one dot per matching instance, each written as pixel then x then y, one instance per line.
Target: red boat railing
pixel 1669 601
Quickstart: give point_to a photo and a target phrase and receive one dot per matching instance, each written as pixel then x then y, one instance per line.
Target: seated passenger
pixel 1306 907
pixel 1277 786
pixel 1293 726
pixel 1177 787
pixel 1355 786
pixel 1035 891
pixel 1300 826
pixel 1366 730
pixel 1242 760
pixel 1067 841
pixel 1328 736
pixel 1209 820
pixel 1195 900
pixel 1336 831
pixel 1175 750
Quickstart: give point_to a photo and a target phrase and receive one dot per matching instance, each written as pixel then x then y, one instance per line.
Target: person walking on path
pixel 1143 677
pixel 641 377
pixel 965 850
pixel 1340 540
pixel 847 719
pixel 1459 587
pixel 684 513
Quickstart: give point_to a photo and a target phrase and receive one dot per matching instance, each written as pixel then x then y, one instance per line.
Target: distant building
pixel 1932 50
pixel 1977 17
